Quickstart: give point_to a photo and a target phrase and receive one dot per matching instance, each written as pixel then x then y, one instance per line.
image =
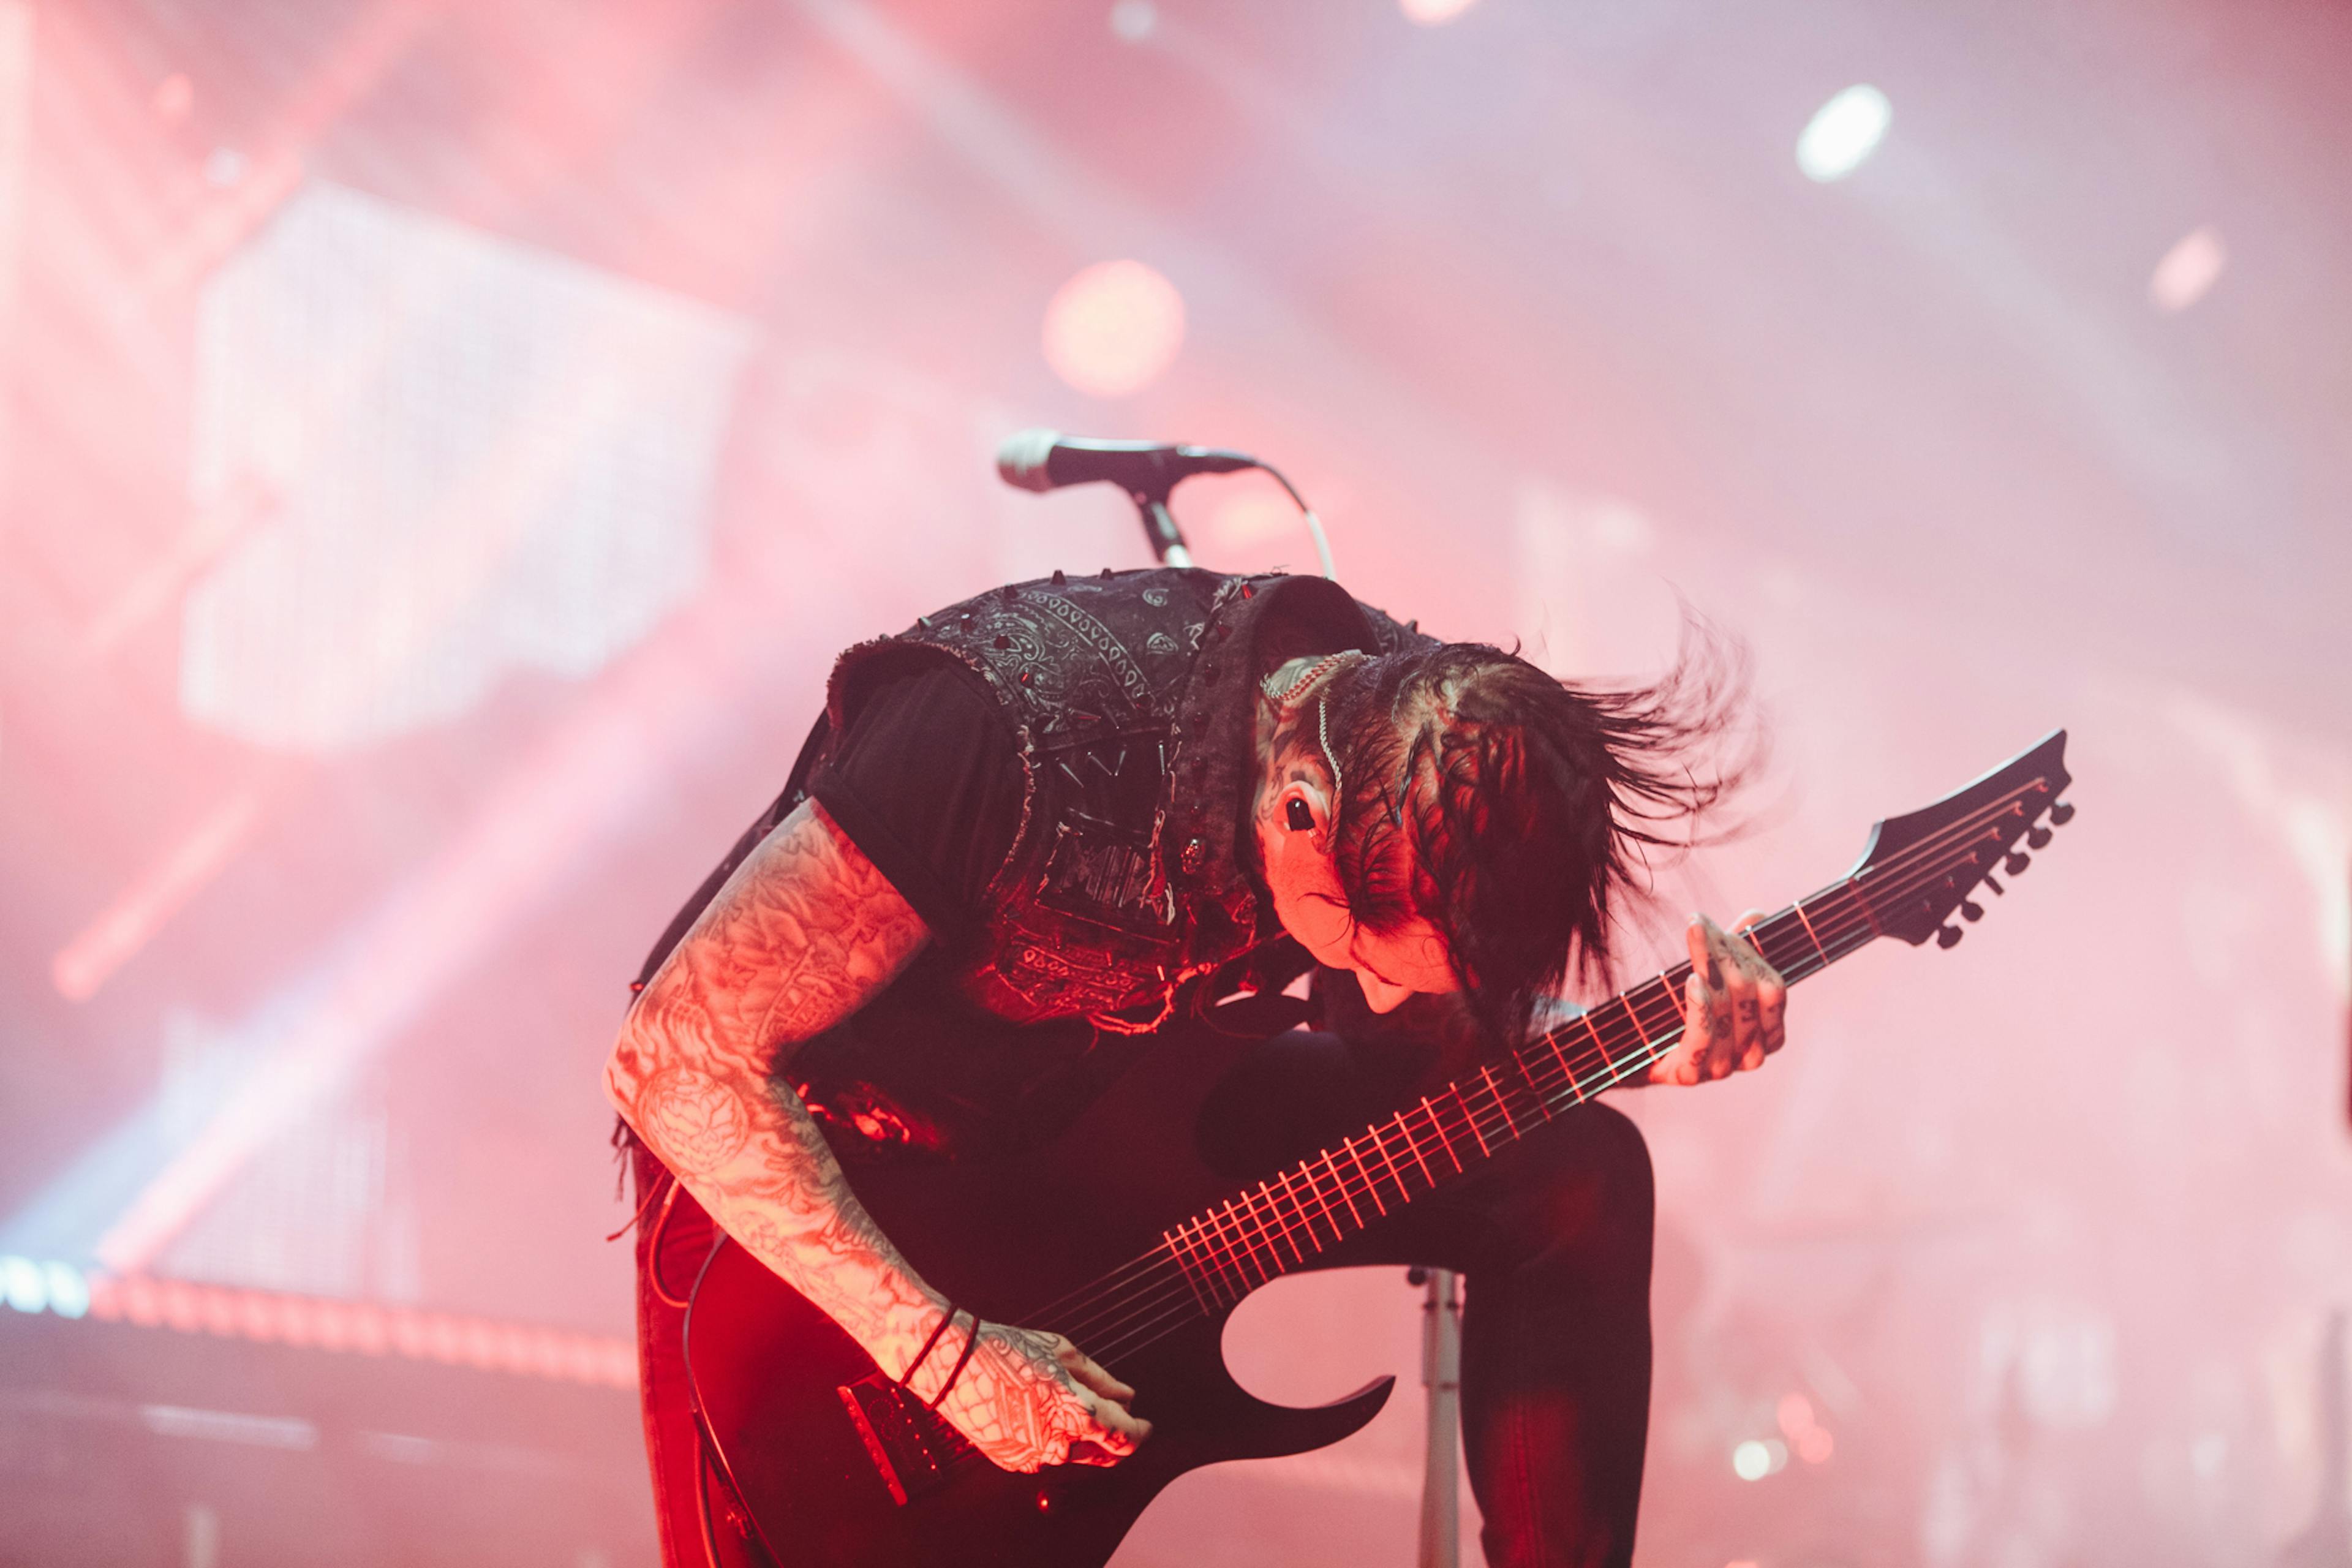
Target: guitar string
pixel 1138 1337
pixel 1225 1262
pixel 1847 935
pixel 1548 1093
pixel 1172 1307
pixel 1175 1305
pixel 1228 1265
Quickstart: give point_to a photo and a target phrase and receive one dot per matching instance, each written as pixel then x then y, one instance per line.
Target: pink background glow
pixel 444 447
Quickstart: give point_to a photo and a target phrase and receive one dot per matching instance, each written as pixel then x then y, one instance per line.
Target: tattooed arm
pixel 804 933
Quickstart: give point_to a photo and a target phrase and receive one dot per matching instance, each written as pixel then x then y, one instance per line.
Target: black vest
pixel 1125 889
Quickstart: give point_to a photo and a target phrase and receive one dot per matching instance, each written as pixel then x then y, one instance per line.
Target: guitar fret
pixel 1322 1200
pixel 1279 1232
pixel 1527 1081
pixel 1190 1273
pixel 1341 1183
pixel 1592 1028
pixel 1217 1266
pixel 1249 1248
pixel 1438 1126
pixel 1305 1219
pixel 1282 1227
pixel 1236 1260
pixel 1567 1072
pixel 1404 1125
pixel 1371 1187
pixel 1455 1095
pixel 1805 920
pixel 1488 1074
pixel 1373 1132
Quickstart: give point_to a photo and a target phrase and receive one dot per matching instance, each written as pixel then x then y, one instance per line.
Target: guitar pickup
pixel 911 1445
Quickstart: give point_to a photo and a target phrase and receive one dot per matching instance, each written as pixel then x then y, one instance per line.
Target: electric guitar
pixel 836 1465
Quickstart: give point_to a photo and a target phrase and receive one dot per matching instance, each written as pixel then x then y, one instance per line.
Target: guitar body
pixel 839 1469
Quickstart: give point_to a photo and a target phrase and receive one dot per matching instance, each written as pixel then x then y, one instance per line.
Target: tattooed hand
pixel 1028 1399
pixel 1732 1006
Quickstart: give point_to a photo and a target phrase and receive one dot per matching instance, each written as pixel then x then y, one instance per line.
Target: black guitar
pixel 837 1466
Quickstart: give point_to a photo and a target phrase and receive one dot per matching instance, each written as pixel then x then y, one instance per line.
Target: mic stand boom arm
pixel 1160 525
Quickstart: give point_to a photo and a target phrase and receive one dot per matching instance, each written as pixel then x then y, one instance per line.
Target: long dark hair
pixel 1513 811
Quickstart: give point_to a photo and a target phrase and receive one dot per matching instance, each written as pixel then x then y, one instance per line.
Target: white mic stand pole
pixel 1441 1373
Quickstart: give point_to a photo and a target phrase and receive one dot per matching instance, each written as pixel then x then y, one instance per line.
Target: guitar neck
pixel 1284 1222
pixel 1917 872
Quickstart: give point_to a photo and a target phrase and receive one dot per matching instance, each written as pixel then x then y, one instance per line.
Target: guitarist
pixel 1062 821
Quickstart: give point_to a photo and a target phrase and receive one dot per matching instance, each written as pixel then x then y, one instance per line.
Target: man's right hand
pixel 1028 1399
pixel 806 931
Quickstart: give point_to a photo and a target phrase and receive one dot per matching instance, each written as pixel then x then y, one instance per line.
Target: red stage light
pixel 361 1328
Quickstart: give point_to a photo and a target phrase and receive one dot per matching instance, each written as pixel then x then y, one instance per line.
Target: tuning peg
pixel 1947 936
pixel 1994 883
pixel 2062 814
pixel 1972 909
pixel 2017 862
pixel 2038 837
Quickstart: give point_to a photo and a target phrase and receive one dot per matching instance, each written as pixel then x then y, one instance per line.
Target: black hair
pixel 1512 809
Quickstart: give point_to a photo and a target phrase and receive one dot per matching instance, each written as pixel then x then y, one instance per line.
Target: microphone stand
pixel 1160 524
pixel 1441 1373
pixel 1441 1337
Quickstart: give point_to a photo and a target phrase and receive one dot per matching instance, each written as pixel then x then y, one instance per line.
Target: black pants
pixel 1552 1240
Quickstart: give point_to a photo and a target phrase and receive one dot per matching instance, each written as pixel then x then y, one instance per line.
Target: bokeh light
pixel 2189 270
pixel 1114 328
pixel 1843 132
pixel 1433 13
pixel 1134 20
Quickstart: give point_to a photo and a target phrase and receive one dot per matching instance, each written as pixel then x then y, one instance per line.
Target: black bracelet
pixel 957 1370
pixel 907 1380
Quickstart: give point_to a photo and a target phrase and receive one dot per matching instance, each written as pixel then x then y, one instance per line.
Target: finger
pixel 1745 1048
pixel 1112 1435
pixel 1762 1029
pixel 1697 1032
pixel 1108 1444
pixel 1118 1428
pixel 1772 1008
pixel 1088 1374
pixel 1700 936
pixel 1738 1037
pixel 1751 957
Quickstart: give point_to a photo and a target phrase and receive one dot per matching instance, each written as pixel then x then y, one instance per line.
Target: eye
pixel 1295 813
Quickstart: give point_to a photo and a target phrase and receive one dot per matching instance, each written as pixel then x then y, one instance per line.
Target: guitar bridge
pixel 911 1445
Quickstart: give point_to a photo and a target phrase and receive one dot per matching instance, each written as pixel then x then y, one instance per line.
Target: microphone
pixel 1048 459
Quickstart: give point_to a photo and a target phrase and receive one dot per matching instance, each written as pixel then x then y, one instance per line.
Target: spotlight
pixel 1843 132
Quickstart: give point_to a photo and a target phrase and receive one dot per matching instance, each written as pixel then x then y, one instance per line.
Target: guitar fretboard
pixel 1212 1260
pixel 1316 1204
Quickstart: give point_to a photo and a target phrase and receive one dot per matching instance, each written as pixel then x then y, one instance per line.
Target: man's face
pixel 1389 966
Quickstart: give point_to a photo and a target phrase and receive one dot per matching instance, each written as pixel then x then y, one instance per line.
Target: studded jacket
pixel 1130 695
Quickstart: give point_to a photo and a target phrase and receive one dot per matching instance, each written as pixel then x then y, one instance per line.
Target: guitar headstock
pixel 1919 870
